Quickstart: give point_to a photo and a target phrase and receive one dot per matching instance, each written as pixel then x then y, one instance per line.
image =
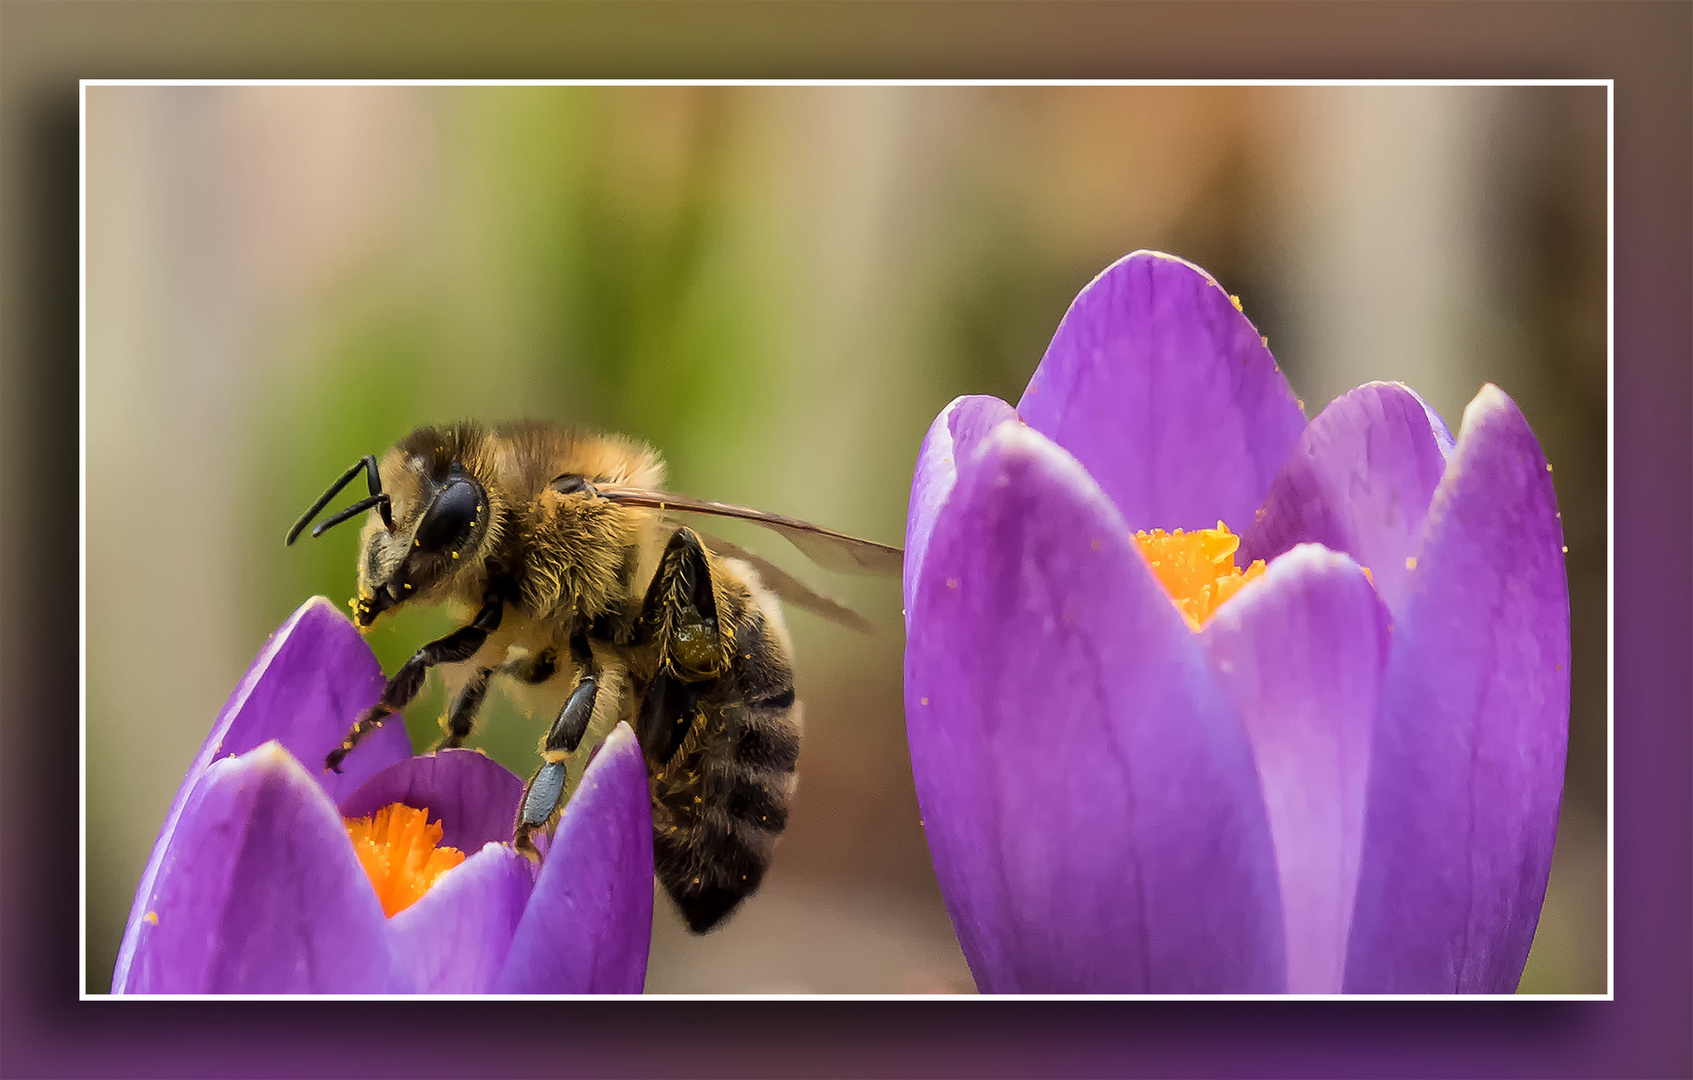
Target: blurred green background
pixel 779 287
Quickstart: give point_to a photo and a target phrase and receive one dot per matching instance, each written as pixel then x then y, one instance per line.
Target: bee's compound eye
pixel 450 518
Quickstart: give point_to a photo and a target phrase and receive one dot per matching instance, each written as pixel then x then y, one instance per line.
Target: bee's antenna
pixel 354 510
pixel 377 499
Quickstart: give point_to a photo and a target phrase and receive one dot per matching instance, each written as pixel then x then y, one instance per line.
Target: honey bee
pixel 558 549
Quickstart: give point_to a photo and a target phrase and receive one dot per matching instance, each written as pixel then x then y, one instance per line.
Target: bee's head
pixel 429 524
pixel 441 517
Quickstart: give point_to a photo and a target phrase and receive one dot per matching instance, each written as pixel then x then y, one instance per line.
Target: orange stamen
pixel 397 848
pixel 1197 568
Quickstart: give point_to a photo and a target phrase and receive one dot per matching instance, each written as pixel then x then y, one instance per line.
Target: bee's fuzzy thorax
pixel 578 557
pixel 578 554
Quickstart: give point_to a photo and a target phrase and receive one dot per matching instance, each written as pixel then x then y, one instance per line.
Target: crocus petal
pixel 455 938
pixel 1469 759
pixel 1089 796
pixel 1360 481
pixel 262 893
pixel 471 795
pixel 1302 653
pixel 951 440
pixel 304 689
pixel 1164 391
pixel 589 921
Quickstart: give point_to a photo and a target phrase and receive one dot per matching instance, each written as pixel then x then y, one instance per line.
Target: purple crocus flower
pixel 254 885
pixel 1348 779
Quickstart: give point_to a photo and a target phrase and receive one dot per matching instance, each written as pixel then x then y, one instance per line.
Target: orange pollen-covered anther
pixel 397 848
pixel 1197 568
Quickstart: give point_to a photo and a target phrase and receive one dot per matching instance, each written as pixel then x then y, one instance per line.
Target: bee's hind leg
pixel 542 794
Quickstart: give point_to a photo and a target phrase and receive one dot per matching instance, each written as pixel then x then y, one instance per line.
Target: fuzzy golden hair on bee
pixel 538 453
pixel 581 554
pixel 581 590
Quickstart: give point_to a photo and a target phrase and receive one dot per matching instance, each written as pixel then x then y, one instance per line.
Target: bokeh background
pixel 779 287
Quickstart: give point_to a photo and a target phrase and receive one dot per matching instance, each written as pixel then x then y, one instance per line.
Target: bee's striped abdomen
pixel 720 803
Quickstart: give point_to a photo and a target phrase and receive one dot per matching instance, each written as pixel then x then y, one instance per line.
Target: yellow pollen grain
pixel 152 918
pixel 1197 568
pixel 1235 300
pixel 1410 562
pixel 397 848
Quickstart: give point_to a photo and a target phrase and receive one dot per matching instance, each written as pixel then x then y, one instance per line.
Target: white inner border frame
pixel 1610 534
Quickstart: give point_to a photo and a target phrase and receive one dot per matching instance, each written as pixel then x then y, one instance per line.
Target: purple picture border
pixel 1645 47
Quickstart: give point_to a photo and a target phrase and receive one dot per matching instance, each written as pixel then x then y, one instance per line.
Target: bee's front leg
pixel 459 645
pixel 545 789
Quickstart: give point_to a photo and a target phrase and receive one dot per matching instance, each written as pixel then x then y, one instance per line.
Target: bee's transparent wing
pixel 786 586
pixel 829 549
